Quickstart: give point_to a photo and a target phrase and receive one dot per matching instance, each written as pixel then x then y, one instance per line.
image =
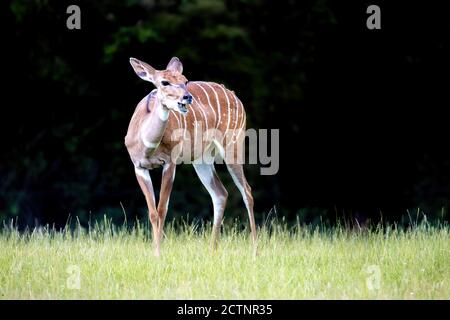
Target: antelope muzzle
pixel 182 106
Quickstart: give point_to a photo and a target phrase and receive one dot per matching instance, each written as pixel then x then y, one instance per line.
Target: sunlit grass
pixel 293 263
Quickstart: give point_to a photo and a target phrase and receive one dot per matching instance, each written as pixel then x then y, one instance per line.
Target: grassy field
pixel 294 263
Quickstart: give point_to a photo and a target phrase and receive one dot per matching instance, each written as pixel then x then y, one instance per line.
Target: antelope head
pixel 170 83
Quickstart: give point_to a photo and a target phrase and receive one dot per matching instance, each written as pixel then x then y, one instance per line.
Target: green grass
pixel 296 263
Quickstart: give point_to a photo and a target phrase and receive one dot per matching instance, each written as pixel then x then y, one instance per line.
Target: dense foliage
pixel 340 95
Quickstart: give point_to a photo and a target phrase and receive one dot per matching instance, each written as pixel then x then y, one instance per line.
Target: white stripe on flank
pixel 244 115
pixel 195 125
pixel 236 107
pixel 228 107
pixel 219 108
pixel 207 97
pixel 185 126
pixel 176 117
pixel 179 126
pixel 200 107
pixel 244 118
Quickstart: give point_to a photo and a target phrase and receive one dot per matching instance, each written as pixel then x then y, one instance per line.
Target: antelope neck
pixel 154 126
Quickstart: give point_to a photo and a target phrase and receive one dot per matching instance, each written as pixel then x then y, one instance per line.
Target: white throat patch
pixel 163 113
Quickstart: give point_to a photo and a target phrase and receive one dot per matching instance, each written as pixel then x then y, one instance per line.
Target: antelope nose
pixel 188 97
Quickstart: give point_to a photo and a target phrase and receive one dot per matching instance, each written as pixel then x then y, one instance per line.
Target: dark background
pixel 361 112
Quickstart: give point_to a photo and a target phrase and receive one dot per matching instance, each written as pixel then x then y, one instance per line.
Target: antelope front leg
pixel 145 182
pixel 168 176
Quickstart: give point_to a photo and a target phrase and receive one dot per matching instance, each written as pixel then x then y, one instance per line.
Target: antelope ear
pixel 143 70
pixel 175 65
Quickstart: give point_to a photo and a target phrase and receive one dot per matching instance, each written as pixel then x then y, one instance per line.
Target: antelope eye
pixel 165 83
